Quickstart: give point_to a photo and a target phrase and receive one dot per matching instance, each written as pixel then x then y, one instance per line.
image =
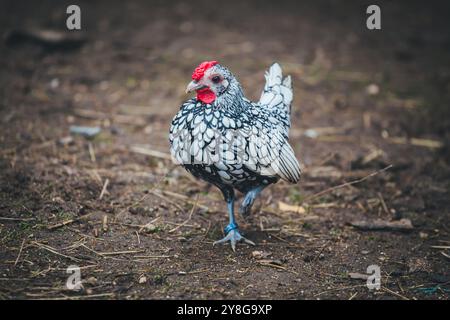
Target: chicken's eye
pixel 215 79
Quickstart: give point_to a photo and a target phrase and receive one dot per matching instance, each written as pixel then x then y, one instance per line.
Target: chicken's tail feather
pixel 277 91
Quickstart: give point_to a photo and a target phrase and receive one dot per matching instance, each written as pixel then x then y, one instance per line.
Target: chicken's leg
pixel 231 230
pixel 249 199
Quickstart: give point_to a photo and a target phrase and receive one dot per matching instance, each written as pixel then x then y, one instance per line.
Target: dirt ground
pixel 139 227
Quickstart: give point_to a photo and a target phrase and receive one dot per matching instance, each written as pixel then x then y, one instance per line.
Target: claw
pixel 234 236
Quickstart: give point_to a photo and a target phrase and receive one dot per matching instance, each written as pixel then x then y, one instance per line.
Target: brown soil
pixel 370 95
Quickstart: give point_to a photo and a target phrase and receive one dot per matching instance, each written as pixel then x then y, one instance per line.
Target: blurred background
pixel 85 170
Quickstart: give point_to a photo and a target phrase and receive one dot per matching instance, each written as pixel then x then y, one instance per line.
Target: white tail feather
pixel 277 90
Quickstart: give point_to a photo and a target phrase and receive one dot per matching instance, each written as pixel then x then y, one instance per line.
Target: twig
pixel 105 185
pixel 180 224
pixel 91 152
pixel 184 198
pixel 20 251
pixel 85 235
pixel 113 253
pixel 381 225
pixel 432 144
pixel 99 295
pixel 105 223
pixel 338 289
pixel 324 205
pixel 64 223
pixel 53 250
pixel 150 152
pixel 151 257
pixel 266 264
pixel 138 238
pixel 188 219
pixel 91 250
pixel 144 196
pixel 321 193
pixel 142 227
pixel 383 203
pixel 17 219
pixel 207 231
pixel 58 225
pixel 176 205
pixel 293 244
pixel 353 296
pixel 394 293
pixel 445 255
pixel 193 272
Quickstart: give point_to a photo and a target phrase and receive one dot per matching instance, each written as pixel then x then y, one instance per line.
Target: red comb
pixel 199 72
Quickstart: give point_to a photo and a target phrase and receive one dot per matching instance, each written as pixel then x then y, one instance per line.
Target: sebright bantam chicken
pixel 233 143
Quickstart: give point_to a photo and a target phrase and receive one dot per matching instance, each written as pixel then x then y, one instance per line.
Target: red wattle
pixel 206 95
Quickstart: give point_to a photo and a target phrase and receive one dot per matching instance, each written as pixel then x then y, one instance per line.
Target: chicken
pixel 233 143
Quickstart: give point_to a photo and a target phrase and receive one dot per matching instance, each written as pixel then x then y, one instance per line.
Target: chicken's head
pixel 209 80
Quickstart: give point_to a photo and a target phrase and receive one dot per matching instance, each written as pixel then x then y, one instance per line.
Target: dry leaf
pixel 291 208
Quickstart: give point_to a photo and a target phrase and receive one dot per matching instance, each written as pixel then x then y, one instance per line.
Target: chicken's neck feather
pixel 232 99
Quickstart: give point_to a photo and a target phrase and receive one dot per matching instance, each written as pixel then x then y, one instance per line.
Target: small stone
pixel 423 235
pixel 54 83
pixel 150 228
pixel 115 130
pixel 260 254
pixel 58 200
pixel 91 280
pixel 372 89
pixel 311 133
pixel 65 141
pixel 87 132
pixel 143 211
pixel 142 279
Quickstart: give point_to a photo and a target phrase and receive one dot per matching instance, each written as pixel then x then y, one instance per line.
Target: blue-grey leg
pixel 231 230
pixel 249 199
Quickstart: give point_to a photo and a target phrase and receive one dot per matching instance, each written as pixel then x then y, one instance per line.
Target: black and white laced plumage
pixel 233 143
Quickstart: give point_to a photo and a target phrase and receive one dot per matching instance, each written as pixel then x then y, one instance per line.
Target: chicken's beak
pixel 193 86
